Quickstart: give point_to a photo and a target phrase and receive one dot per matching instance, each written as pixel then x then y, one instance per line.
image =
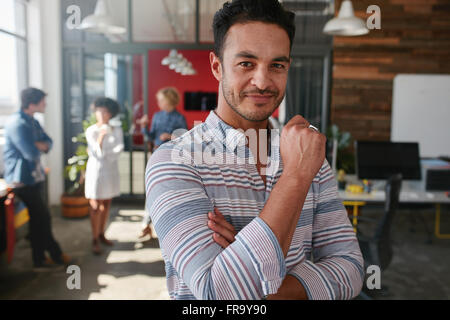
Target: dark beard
pixel 246 117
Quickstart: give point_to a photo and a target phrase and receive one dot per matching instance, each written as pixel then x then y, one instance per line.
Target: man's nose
pixel 261 78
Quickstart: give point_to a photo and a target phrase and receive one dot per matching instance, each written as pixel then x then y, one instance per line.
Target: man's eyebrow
pixel 245 54
pixel 282 59
pixel 249 55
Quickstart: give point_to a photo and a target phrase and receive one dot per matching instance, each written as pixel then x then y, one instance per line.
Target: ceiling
pixel 174 20
pixel 166 20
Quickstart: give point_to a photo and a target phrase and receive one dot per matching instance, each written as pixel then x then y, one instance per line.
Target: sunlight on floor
pixel 137 287
pixel 149 281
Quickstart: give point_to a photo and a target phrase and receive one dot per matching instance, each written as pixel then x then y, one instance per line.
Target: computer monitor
pixel 200 101
pixel 381 159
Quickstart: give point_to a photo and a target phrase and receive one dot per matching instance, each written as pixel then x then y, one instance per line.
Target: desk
pixel 13 215
pixel 3 188
pixel 411 192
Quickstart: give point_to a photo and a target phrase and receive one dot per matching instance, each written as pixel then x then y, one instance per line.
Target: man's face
pixel 253 71
pixel 39 107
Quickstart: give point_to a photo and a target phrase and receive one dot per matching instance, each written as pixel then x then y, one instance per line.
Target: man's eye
pixel 245 64
pixel 278 66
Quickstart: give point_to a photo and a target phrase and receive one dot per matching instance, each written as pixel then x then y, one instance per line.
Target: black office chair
pixel 377 248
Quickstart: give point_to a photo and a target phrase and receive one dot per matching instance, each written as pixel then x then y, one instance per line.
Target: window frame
pixel 6 109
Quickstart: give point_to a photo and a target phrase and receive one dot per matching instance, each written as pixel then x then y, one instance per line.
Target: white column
pixel 45 61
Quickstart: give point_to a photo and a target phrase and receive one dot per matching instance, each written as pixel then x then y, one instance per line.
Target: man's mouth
pixel 259 99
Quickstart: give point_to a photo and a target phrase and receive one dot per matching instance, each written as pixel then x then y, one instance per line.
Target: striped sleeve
pixel 177 203
pixel 337 271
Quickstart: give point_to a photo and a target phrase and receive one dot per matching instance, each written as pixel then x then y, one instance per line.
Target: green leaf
pixel 73 173
pixel 334 131
pixel 345 140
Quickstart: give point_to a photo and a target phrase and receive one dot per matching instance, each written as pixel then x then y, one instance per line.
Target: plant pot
pixel 74 206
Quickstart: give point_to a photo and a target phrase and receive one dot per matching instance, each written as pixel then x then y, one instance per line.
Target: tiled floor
pixel 131 269
pixel 419 268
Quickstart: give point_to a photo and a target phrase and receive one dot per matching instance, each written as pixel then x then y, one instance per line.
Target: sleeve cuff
pixel 146 219
pixel 98 150
pixel 316 285
pixel 265 253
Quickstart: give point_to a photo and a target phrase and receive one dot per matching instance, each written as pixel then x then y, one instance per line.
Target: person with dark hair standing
pixel 102 182
pixel 25 141
pixel 241 210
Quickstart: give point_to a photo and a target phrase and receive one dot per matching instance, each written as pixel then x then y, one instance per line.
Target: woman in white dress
pixel 105 142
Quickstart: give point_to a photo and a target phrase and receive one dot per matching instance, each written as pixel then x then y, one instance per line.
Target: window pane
pixel 73 83
pixel 94 81
pixel 304 90
pixel 163 20
pixel 12 16
pixel 117 10
pixel 207 10
pixel 13 74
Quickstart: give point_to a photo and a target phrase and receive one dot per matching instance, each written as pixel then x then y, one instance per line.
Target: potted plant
pixel 338 144
pixel 73 202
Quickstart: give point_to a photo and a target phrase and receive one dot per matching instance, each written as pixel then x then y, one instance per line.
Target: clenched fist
pixel 302 149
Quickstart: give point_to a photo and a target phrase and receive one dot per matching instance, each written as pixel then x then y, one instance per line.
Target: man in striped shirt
pixel 242 211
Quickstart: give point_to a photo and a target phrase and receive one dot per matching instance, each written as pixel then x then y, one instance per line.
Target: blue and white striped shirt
pixel 187 177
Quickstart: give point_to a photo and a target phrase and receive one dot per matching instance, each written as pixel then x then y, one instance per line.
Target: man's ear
pixel 216 66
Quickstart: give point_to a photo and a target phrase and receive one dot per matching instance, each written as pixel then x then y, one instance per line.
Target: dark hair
pixel 110 104
pixel 31 96
pixel 242 11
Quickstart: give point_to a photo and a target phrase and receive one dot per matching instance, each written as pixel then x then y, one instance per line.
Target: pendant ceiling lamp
pixel 346 24
pixel 101 21
pixel 176 62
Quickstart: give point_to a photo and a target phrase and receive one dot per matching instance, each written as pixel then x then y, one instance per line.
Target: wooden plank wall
pixel 414 38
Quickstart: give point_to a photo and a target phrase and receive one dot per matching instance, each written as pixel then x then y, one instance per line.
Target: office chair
pixel 377 248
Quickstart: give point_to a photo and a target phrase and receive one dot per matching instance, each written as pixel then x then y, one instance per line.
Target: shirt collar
pixel 25 115
pixel 230 136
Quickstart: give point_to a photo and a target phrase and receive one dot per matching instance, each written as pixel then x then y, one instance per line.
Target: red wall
pixel 160 76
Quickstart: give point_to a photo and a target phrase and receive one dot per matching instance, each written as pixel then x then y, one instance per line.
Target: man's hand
pixel 146 231
pixel 143 121
pixel 165 136
pixel 302 149
pixel 223 231
pixel 101 136
pixel 42 146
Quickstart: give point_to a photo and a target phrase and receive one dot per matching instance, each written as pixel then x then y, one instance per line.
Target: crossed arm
pixel 30 143
pixel 224 235
pixel 253 263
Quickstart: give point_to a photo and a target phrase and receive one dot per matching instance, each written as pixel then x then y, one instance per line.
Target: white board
pixel 421 112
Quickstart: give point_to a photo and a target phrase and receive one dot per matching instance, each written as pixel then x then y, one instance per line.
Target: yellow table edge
pixel 21 218
pixel 355 205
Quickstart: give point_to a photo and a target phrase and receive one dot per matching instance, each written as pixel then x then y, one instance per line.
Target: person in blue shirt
pixel 166 121
pixel 25 141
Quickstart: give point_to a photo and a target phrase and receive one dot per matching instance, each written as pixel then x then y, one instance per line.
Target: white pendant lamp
pixel 101 21
pixel 176 62
pixel 346 24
